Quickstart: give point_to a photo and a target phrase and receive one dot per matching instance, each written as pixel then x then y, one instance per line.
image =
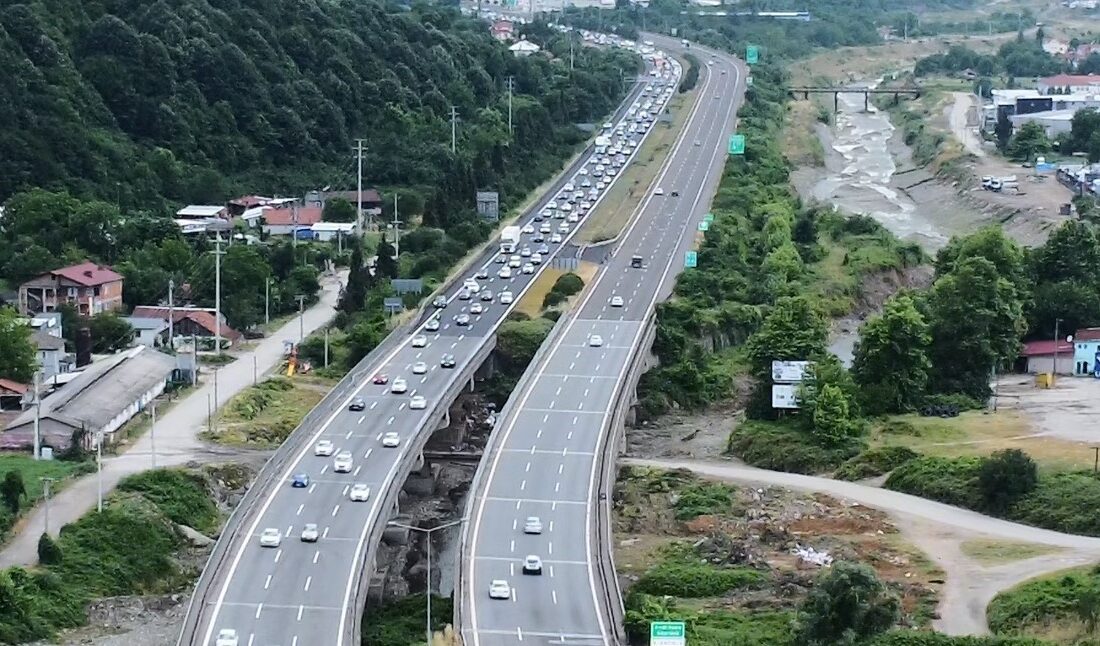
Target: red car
pixel 381 380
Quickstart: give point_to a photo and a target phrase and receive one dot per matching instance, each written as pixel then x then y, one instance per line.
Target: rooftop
pixel 201 211
pixel 1045 347
pixel 370 196
pixel 87 274
pixel 1071 79
pixel 45 341
pixel 307 215
pixel 202 317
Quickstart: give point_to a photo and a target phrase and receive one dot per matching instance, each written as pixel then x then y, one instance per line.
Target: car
pixel 342 462
pixel 464 295
pixel 462 320
pixel 532 565
pixel 476 308
pixel 501 259
pixel 399 386
pixel 300 480
pixel 487 296
pixel 533 525
pixel 420 341
pixel 718 96
pixel 506 298
pixel 555 239
pixel 675 194
pixel 595 341
pixel 482 273
pixel 357 404
pixel 573 217
pixel 616 301
pixel 539 217
pixel 391 440
pixel 536 259
pixel 499 589
pixel 563 228
pixel 270 537
pixel 440 302
pixel 537 237
pixel 381 379
pixel 505 273
pixel 359 493
pixel 529 229
pixel 418 402
pixel 723 72
pixel 544 249
pixel 636 262
pixel 310 533
pixel 515 262
pixel 432 325
pixel 448 361
pixel 420 368
pixel 658 191
pixel 525 252
pixel 323 448
pixel 471 285
pixel 698 143
pixel 226 637
pixel 528 268
pixel 544 229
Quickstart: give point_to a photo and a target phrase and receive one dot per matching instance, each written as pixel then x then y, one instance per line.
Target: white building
pixel 1054 122
pixel 524 48
pixel 200 212
pixel 328 231
pixel 1069 84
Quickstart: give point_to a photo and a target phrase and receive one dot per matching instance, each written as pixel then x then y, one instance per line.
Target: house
pixel 1040 356
pixel 90 287
pixel 106 395
pixel 503 31
pixel 1081 52
pixel 241 204
pixel 524 48
pixel 188 321
pixel 372 199
pixel 1086 351
pixel 1069 84
pixel 12 394
pixel 284 221
pixel 202 212
pixel 191 227
pixel 149 331
pixel 329 231
pixel 52 358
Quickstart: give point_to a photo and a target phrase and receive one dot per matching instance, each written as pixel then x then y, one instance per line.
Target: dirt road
pixel 964 122
pixel 936 528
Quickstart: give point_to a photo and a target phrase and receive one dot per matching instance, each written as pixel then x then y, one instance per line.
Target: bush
pixel 696 580
pixel 1041 601
pixel 553 298
pixel 1063 502
pixel 181 496
pixel 949 480
pixel 712 627
pixel 401 622
pixel 782 448
pixel 924 638
pixel 568 284
pixel 703 499
pixel 958 401
pixel 847 604
pixel 1005 476
pixel 875 462
pixel 49 553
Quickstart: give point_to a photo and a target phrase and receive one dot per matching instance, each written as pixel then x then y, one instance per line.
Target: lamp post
pixel 428 580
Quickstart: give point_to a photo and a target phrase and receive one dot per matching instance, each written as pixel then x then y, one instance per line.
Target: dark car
pixel 357 404
pixel 448 361
pixel 675 193
pixel 537 238
pixel 300 481
pixel 440 302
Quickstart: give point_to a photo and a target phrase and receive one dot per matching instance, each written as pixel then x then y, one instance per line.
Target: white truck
pixel 991 183
pixel 509 238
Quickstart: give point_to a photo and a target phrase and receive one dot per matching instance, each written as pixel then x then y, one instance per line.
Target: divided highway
pixel 264 582
pixel 546 450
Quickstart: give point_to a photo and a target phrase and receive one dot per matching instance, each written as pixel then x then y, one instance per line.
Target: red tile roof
pixel 249 201
pixel 370 196
pixel 202 318
pixel 1064 80
pixel 502 27
pixel 88 274
pixel 14 386
pixel 1045 347
pixel 307 215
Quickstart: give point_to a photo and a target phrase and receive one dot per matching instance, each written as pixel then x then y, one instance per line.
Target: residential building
pixel 52 358
pixel 1086 351
pixel 1069 84
pixel 290 220
pixel 524 48
pixel 106 395
pixel 202 212
pixel 90 287
pixel 188 322
pixel 329 231
pixel 503 30
pixel 149 331
pixel 372 199
pixel 12 394
pixel 1040 356
pixel 192 227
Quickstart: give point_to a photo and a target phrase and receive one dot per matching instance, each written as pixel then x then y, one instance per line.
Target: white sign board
pixel 784 396
pixel 788 371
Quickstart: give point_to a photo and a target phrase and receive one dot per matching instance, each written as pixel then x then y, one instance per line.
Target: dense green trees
pixel 847 605
pixel 1020 57
pixel 18 359
pixel 891 362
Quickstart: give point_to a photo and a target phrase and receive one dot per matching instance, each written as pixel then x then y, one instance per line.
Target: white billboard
pixel 784 396
pixel 788 372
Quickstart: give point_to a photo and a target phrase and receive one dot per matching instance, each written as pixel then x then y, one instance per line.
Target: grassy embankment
pixel 31 473
pixel 262 416
pixel 1062 607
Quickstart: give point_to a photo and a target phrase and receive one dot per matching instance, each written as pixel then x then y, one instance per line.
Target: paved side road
pixel 177 431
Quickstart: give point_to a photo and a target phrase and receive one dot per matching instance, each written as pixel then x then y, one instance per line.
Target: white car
pixel 573 217
pixel 420 368
pixel 532 565
pixel 310 533
pixel 616 301
pixel 433 325
pixel 595 341
pixel 515 261
pixel 270 537
pixel 525 252
pixel 391 440
pixel 658 191
pixel 342 463
pixel 418 402
pixel 475 308
pixel 399 386
pixel 226 637
pixel 506 298
pixel 420 341
pixel 471 285
pixel 359 493
pixel 324 448
pixel 530 229
pixel 545 228
pixel 536 259
pixel 499 589
pixel 505 273
pixel 533 525
pixel 555 239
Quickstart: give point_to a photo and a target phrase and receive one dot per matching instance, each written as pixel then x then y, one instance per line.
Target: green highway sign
pixel 704 226
pixel 752 54
pixel 709 217
pixel 691 259
pixel 667 633
pixel 737 145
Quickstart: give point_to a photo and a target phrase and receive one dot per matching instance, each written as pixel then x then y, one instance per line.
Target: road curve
pixel 545 458
pixel 299 593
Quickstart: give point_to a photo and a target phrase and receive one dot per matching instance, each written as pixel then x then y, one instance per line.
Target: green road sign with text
pixel 667 633
pixel 691 259
pixel 752 54
pixel 704 226
pixel 737 145
pixel 709 217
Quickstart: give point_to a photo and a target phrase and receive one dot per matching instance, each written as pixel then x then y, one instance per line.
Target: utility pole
pixel 1054 368
pixel 326 347
pixel 294 230
pixel 570 51
pixel 255 370
pixel 46 482
pixel 301 317
pixel 171 316
pixel 267 300
pixel 396 226
pixel 218 253
pixel 359 188
pixel 99 472
pixel 454 129
pixel 153 433
pixel 37 403
pixel 511 89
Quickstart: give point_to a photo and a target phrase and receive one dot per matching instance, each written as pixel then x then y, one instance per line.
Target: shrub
pixel 957 400
pixel 847 604
pixel 949 480
pixel 553 298
pixel 875 462
pixel 712 627
pixel 1041 601
pixel 924 638
pixel 702 499
pixel 1005 476
pixel 568 284
pixel 783 448
pixel 1060 501
pixel 181 496
pixel 49 552
pixel 696 580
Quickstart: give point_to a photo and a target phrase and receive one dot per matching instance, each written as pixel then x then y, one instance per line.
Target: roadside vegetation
pixel 1063 608
pixel 262 416
pixel 21 483
pixel 132 547
pixel 401 622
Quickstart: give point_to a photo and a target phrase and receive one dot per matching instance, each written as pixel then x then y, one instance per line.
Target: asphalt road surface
pixel 299 593
pixel 547 467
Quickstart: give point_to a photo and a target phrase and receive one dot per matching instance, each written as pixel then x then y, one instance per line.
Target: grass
pixel 993 552
pixel 801 145
pixel 979 433
pixel 531 303
pixel 1045 607
pixel 61 471
pixel 264 415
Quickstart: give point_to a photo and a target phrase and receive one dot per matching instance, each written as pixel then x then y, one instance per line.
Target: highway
pixel 544 461
pixel 306 594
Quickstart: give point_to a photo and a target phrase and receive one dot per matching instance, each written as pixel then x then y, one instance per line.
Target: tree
pixel 359 281
pixel 1087 606
pixel 1029 142
pixel 18 355
pixel 891 362
pixel 832 422
pixel 1003 131
pixel 339 210
pixel 109 332
pixel 846 605
pixel 49 552
pixel 12 490
pixel 517 342
pixel 1071 253
pixel 386 266
pixel 794 329
pixel 990 243
pixel 1004 477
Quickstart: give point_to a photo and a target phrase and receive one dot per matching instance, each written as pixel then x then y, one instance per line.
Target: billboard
pixel 784 395
pixel 789 372
pixel 488 205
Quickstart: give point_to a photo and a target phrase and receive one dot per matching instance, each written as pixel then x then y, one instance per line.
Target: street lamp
pixel 428 584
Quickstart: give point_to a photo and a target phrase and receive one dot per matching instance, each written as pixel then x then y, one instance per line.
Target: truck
pixel 509 238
